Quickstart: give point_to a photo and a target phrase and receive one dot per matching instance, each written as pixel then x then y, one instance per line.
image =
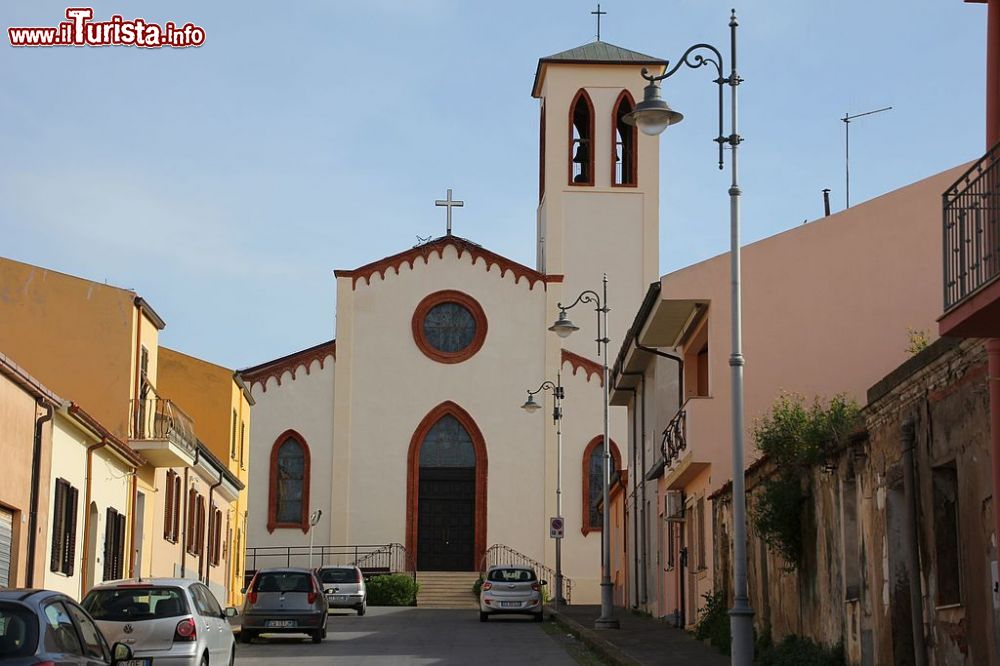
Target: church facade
pixel 407 428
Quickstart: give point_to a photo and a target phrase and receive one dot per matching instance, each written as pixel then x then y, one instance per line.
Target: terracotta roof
pixel 595 53
pixel 583 363
pixel 259 374
pixel 436 247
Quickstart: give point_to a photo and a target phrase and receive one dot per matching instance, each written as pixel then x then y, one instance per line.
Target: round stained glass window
pixel 449 326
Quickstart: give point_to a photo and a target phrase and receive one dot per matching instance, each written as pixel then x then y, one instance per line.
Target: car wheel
pixel 317 636
pixel 483 616
pixel 362 609
pixel 538 617
pixel 246 636
pixel 204 660
pixel 232 656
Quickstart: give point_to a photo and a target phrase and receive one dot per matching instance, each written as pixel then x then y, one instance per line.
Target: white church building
pixel 406 427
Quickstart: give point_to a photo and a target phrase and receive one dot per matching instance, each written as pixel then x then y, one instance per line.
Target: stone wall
pixel 862 526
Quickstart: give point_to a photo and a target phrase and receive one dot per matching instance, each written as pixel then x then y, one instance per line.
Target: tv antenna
pixel 847 149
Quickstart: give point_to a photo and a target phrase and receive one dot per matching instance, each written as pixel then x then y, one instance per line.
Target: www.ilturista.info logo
pixel 80 30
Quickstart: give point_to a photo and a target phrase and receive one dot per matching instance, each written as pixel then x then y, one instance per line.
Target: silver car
pixel 166 621
pixel 511 589
pixel 344 587
pixel 284 601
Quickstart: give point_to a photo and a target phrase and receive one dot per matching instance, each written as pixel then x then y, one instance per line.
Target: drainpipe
pixel 36 473
pixel 910 538
pixel 642 483
pixel 85 560
pixel 210 518
pixel 635 494
pixel 131 535
pixel 680 370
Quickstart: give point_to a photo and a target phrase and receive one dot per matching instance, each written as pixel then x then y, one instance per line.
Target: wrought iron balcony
pixel 163 432
pixel 972 230
pixel 674 437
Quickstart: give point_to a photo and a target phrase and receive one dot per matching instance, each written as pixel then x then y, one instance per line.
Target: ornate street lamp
pixel 531 406
pixel 563 328
pixel 652 116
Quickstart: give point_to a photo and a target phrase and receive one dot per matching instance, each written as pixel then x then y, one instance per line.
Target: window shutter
pixel 69 564
pixel 120 546
pixel 109 537
pixel 177 509
pixel 58 511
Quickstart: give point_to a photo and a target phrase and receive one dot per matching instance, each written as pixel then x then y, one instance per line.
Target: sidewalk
pixel 641 640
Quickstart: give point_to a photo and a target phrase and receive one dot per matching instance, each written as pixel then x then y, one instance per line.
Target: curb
pixel 592 639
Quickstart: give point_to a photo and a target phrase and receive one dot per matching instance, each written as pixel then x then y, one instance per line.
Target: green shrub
pixel 477 587
pixel 797 651
pixel 713 622
pixel 795 438
pixel 392 590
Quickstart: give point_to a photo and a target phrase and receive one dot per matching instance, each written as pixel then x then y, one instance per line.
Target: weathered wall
pixel 944 391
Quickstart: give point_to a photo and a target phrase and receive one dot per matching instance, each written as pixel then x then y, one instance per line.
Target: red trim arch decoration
pixel 590 154
pixel 272 493
pixel 586 528
pixel 633 160
pixel 449 296
pixel 413 479
pixel 589 368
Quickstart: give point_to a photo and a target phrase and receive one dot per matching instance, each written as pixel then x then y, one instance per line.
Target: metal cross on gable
pixel 599 14
pixel 449 203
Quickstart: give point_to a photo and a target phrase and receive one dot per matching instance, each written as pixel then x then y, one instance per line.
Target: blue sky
pixel 225 183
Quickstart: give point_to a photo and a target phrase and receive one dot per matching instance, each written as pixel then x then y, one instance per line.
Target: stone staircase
pixel 447 589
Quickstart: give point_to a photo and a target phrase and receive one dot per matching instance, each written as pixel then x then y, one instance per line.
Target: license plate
pixel 510 604
pixel 279 624
pixel 136 662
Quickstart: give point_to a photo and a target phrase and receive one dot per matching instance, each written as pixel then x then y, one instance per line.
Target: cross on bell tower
pixel 449 203
pixel 599 14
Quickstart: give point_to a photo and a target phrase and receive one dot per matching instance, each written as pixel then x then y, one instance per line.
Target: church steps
pixel 446 589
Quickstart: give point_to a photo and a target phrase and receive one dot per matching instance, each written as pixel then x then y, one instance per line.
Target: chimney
pixel 826 202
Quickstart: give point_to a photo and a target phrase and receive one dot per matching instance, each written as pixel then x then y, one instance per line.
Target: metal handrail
pixel 161 418
pixel 389 558
pixel 499 554
pixel 971 228
pixel 674 438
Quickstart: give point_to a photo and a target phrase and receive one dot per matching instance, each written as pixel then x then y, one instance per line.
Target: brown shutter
pixel 58 512
pixel 177 509
pixel 71 505
pixel 109 539
pixel 120 546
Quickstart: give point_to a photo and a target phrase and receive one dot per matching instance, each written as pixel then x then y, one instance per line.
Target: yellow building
pixel 100 344
pixel 219 404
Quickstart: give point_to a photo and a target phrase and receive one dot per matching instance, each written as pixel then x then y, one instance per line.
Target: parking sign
pixel 556 528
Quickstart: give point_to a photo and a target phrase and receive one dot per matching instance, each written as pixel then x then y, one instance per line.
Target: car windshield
pixel 511 576
pixel 284 581
pixel 338 576
pixel 18 631
pixel 129 604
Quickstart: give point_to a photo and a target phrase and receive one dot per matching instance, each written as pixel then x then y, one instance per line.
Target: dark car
pixel 284 601
pixel 44 627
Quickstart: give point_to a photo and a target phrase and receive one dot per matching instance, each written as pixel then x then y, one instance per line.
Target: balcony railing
pixel 972 229
pixel 674 437
pixel 161 419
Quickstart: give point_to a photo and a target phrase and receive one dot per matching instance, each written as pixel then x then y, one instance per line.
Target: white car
pixel 511 589
pixel 344 587
pixel 166 621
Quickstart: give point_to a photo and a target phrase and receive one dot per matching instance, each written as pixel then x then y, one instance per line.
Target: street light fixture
pixel 652 116
pixel 563 328
pixel 530 406
pixel 313 519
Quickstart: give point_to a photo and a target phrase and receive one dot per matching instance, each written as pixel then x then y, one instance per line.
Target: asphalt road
pixel 414 636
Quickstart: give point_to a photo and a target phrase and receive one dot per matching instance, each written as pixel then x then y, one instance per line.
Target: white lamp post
pixel 313 519
pixel 531 407
pixel 652 116
pixel 563 328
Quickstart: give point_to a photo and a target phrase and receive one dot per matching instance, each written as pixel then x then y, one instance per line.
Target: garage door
pixel 6 537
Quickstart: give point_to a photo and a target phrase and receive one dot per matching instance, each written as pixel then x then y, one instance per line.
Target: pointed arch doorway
pixel 446 492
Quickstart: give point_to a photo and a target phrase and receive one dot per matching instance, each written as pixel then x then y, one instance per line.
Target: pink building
pixel 828 308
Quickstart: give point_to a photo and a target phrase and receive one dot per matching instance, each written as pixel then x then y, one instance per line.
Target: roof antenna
pixel 847 149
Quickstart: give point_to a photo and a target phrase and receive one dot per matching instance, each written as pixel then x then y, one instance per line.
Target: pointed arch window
pixel 593 482
pixel 288 497
pixel 624 140
pixel 581 140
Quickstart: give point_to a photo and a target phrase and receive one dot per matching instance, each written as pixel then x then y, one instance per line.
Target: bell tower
pixel 598 202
